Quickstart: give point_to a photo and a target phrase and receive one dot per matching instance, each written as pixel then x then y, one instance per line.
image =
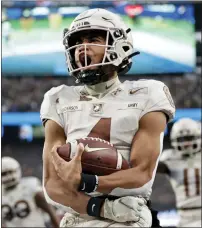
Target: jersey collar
pixel 102 88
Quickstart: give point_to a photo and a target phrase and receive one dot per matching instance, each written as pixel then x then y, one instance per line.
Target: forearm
pixel 80 202
pixel 130 178
pixel 76 200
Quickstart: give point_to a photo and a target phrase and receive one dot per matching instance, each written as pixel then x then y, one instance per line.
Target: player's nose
pixel 83 48
pixel 83 45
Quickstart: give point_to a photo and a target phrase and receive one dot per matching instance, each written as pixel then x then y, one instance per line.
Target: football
pixel 99 157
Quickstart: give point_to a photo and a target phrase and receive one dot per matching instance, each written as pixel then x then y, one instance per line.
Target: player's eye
pixel 94 39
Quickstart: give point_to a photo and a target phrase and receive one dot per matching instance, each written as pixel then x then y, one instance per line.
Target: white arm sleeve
pixel 159 99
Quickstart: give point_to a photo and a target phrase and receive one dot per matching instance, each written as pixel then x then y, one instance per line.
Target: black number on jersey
pixel 101 129
pixel 21 209
pixel 187 184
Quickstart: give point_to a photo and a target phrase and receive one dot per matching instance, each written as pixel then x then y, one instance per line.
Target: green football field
pixel 180 31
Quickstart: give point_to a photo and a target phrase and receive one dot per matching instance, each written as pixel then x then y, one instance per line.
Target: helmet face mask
pixel 10 173
pixel 117 48
pixel 186 137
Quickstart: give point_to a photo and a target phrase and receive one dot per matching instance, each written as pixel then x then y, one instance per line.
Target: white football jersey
pixel 18 205
pixel 185 177
pixel 77 112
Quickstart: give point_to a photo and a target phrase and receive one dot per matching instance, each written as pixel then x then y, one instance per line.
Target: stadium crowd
pixel 30 91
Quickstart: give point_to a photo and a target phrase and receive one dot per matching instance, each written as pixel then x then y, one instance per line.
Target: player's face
pixel 86 55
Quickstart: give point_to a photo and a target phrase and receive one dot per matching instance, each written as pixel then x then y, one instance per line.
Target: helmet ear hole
pixel 179 148
pixel 126 48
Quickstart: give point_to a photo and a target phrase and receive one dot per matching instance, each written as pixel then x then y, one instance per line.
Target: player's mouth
pixel 85 60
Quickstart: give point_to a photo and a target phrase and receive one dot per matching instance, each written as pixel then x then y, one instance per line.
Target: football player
pixel 182 164
pixel 130 115
pixel 23 200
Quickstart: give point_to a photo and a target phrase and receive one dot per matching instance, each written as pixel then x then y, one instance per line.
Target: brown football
pixel 99 157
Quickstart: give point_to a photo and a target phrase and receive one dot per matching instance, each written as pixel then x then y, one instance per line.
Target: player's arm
pixel 146 147
pixel 55 136
pixel 41 203
pixel 124 209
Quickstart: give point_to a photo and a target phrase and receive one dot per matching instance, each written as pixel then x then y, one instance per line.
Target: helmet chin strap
pixel 92 77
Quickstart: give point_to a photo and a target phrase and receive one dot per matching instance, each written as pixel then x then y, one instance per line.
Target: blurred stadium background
pixel 167 33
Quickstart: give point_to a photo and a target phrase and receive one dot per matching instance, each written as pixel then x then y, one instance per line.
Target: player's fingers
pixel 56 159
pixel 79 152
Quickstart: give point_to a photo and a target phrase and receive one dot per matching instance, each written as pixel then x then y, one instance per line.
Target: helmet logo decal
pixel 80 24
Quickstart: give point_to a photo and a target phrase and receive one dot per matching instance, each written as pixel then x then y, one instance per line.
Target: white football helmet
pixel 185 136
pixel 118 47
pixel 10 172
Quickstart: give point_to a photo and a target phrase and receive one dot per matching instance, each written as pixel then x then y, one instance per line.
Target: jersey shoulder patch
pixel 146 85
pixel 135 88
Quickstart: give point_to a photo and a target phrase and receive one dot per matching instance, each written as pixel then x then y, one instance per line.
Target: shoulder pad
pixel 55 90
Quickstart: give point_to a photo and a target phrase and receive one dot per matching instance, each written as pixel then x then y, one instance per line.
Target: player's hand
pixel 69 172
pixel 128 209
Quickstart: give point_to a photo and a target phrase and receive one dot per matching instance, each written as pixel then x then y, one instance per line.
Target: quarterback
pixel 182 164
pixel 22 198
pixel 130 115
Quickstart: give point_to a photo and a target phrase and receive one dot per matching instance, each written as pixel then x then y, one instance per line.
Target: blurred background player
pixel 182 164
pixel 23 202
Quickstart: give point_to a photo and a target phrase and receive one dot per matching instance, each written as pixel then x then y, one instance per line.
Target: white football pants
pixel 71 220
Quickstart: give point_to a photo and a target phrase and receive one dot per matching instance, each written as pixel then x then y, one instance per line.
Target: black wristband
pixel 89 183
pixel 95 204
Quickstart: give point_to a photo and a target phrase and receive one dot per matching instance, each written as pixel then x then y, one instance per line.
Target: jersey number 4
pixel 21 209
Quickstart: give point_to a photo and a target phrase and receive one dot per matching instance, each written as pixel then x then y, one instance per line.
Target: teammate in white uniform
pixel 183 165
pixel 23 203
pixel 131 115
